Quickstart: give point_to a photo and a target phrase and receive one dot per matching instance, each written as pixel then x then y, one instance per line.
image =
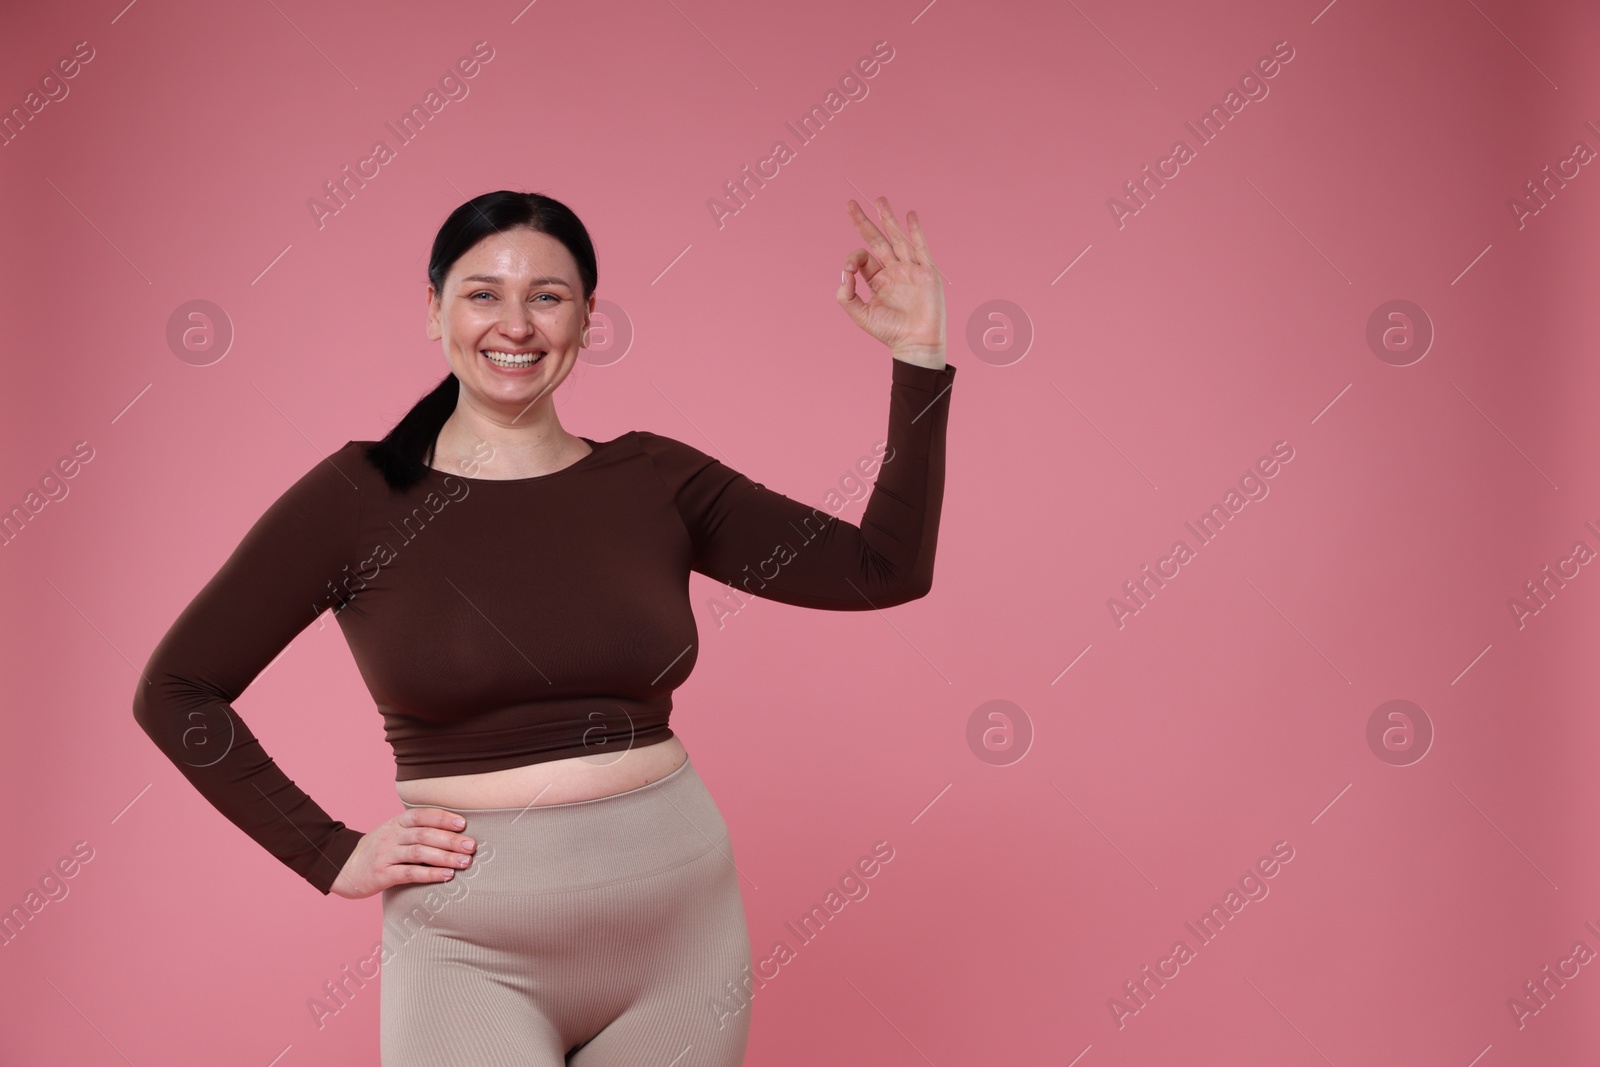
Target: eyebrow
pixel 495 279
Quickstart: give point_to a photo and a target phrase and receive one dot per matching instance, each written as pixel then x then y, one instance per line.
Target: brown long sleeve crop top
pixel 499 623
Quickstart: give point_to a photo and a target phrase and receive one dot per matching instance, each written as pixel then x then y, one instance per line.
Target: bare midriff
pixel 561 781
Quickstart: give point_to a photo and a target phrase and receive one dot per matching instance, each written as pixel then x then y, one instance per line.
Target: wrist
pixel 929 356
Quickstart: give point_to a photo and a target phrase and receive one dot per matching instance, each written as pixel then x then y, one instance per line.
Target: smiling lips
pixel 511 360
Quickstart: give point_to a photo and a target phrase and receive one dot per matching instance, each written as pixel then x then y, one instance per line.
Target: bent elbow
pixel 153 694
pixel 919 583
pixel 171 706
pixel 907 591
pixel 149 711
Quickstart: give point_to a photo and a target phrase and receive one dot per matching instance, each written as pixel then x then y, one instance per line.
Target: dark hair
pixel 403 455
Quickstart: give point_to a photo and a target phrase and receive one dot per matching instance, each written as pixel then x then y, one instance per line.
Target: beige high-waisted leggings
pixel 597 933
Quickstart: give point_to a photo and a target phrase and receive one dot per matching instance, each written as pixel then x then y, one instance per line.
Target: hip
pixel 642 833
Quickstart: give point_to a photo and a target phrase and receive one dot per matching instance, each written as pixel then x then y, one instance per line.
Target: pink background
pixel 1230 313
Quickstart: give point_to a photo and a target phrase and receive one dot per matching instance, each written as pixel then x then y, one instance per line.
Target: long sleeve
pixel 769 545
pixel 274 585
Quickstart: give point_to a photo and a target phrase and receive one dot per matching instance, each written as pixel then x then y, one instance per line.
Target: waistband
pixel 548 848
pixel 659 783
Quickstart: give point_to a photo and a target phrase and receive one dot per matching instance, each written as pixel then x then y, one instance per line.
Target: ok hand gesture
pixel 906 311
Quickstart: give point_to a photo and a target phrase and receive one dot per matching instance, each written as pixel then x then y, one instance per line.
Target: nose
pixel 516 318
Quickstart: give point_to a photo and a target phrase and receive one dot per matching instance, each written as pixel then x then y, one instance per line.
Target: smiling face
pixel 511 317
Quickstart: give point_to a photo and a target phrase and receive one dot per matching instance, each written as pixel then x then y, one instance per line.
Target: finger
pixel 401 873
pixel 870 233
pixel 441 817
pixel 919 237
pixel 897 236
pixel 437 827
pixel 846 295
pixel 863 263
pixel 448 840
pixel 429 855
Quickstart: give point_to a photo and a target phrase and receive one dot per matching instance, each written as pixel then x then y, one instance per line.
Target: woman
pixel 521 626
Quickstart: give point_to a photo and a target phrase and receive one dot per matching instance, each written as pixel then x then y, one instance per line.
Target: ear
pixel 433 328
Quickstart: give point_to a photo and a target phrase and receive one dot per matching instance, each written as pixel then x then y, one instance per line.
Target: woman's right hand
pixel 418 845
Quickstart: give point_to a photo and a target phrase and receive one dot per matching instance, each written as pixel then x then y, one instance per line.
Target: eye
pixel 484 292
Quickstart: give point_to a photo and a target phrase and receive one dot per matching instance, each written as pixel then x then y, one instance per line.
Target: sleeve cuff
pixel 924 378
pixel 333 858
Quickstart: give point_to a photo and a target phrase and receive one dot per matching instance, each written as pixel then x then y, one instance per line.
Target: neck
pixel 482 445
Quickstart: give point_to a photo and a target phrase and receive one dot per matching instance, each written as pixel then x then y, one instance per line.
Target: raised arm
pixel 768 545
pixel 276 582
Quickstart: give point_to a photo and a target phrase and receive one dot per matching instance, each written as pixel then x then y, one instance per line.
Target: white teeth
pixel 506 359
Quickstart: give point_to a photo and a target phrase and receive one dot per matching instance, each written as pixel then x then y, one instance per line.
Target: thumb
pixel 852 304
